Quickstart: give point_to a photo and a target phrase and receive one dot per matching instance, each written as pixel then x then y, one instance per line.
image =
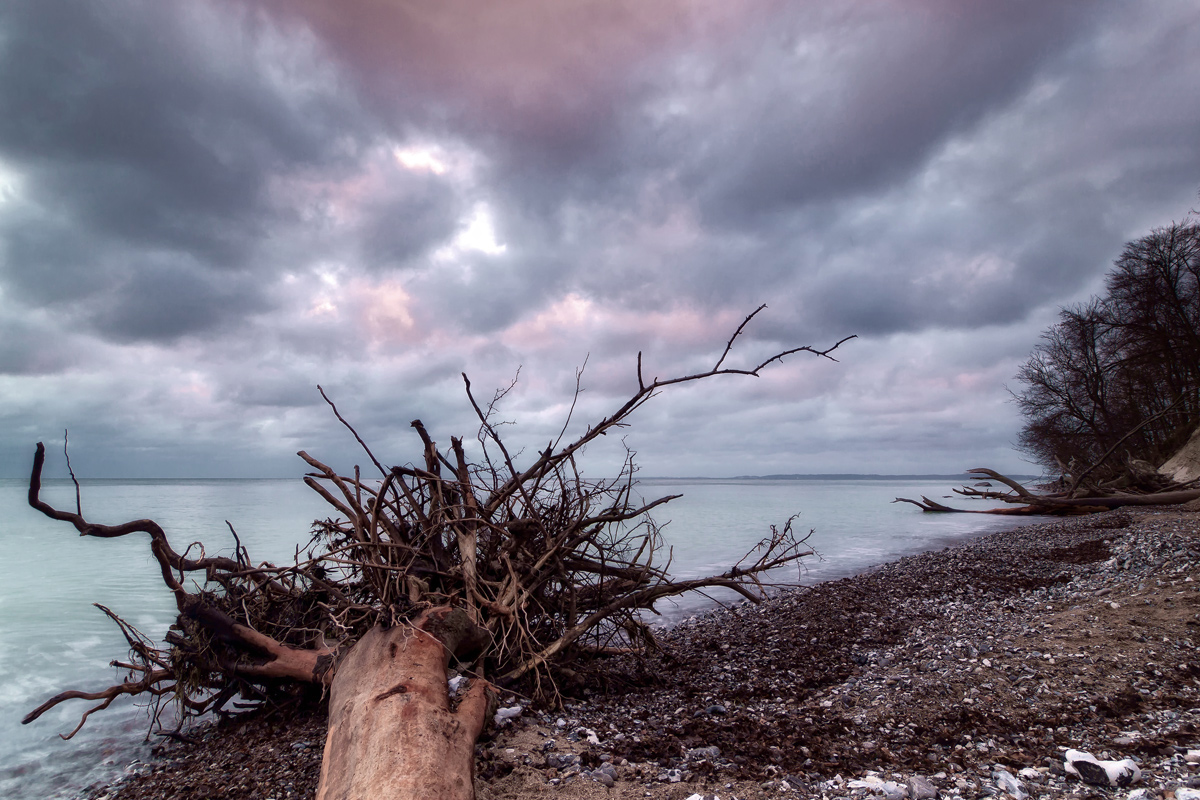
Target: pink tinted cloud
pixel 538 58
pixel 343 199
pixel 576 318
pixel 383 311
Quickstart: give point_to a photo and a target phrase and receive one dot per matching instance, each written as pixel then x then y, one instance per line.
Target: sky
pixel 208 209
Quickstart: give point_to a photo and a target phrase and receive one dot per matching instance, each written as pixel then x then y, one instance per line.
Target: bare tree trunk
pixel 392 733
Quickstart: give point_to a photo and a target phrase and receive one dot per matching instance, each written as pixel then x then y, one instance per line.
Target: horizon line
pixel 957 476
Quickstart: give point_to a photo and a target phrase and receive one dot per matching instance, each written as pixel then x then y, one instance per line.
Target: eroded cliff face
pixel 1184 466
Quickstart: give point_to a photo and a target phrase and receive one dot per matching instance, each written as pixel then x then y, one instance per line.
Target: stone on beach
pixel 1007 783
pixel 1091 770
pixel 889 789
pixel 506 715
pixel 921 789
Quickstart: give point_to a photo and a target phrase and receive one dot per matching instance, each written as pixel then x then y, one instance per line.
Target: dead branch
pixel 220 649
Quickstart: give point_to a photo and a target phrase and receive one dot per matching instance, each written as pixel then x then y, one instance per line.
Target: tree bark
pixel 392 732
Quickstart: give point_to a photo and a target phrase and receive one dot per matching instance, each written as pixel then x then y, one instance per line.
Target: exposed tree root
pixel 521 570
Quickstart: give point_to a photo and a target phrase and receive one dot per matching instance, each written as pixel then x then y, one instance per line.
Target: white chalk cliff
pixel 1184 466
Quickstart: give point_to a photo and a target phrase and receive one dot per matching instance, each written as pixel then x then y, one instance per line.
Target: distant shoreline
pixel 837 476
pixel 815 476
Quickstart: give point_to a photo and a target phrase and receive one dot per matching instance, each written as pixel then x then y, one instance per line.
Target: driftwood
pixel 1061 503
pixel 515 572
pixel 392 684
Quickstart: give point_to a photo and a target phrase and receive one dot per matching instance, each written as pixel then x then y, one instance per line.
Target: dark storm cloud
pixel 30 348
pixel 96 110
pixel 147 128
pixel 122 293
pixel 207 209
pixel 552 92
pixel 418 213
pixel 544 69
pixel 164 301
pixel 491 294
pixel 272 387
pixel 45 260
pixel 769 132
pixel 864 99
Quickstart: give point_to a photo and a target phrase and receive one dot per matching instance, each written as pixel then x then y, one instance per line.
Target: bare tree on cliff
pixel 1121 368
pixel 1113 389
pixel 512 570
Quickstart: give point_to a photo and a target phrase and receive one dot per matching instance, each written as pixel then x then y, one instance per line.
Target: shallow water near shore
pixel 53 639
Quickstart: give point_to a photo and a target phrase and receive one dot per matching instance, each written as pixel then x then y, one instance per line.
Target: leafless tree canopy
pixel 1123 369
pixel 546 563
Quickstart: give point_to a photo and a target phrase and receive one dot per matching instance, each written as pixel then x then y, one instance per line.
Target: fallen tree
pixel 1053 503
pixel 1134 483
pixel 512 572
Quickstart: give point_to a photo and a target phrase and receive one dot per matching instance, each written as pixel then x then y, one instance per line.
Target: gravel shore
pixel 966 672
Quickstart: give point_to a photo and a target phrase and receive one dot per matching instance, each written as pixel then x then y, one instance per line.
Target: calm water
pixel 53 639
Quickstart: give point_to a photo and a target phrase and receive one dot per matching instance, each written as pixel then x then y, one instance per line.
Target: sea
pixel 52 638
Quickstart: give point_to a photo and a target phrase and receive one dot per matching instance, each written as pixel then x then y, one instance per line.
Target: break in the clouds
pixel 207 209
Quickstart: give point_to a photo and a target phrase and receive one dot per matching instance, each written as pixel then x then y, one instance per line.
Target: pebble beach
pixel 973 671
